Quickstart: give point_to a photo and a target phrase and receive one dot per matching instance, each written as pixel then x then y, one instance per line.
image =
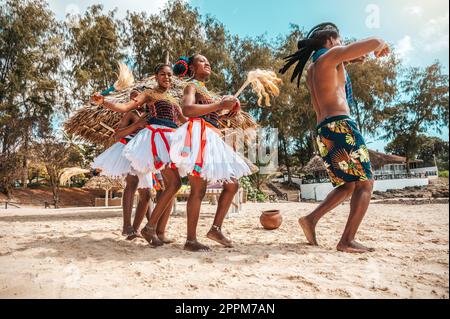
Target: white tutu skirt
pixel 140 151
pixel 145 180
pixel 220 162
pixel 114 164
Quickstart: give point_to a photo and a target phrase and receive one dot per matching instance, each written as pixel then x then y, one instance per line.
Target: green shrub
pixel 443 174
pixel 253 194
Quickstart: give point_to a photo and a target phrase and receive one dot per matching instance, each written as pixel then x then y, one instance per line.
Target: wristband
pixel 381 46
pixel 221 105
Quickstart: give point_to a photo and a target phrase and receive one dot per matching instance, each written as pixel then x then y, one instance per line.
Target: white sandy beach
pixel 80 254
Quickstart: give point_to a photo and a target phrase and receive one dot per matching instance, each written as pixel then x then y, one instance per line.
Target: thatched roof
pixel 104 183
pixel 70 172
pixel 315 165
pixel 96 124
pixel 377 159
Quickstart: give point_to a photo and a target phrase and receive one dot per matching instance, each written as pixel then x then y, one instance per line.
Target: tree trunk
pixel 26 150
pixel 54 183
pixel 287 162
pixel 314 143
pixel 55 189
pixel 167 57
pixel 408 162
pixel 26 153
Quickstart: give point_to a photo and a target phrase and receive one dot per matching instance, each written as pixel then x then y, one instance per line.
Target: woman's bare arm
pixel 191 109
pixel 181 118
pixel 133 104
pixel 133 124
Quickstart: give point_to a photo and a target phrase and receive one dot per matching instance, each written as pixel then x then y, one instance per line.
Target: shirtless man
pixel 340 143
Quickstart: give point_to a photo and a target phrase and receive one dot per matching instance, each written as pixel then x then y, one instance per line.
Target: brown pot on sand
pixel 271 219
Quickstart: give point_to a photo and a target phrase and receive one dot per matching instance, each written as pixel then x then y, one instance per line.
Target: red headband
pixel 185 65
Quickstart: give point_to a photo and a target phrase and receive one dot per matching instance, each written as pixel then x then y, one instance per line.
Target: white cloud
pixel 404 48
pixel 414 10
pixel 62 7
pixel 435 34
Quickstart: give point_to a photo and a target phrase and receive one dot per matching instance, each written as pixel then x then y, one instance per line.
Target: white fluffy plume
pixel 264 83
pixel 126 78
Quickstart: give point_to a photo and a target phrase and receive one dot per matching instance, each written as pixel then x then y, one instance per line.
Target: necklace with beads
pixel 157 95
pixel 203 90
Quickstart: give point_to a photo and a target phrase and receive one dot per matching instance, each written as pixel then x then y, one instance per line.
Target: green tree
pixel 55 156
pixel 30 55
pixel 424 107
pixel 430 150
pixel 406 146
pixel 137 34
pixel 93 48
pixel 291 112
pixel 178 30
pixel 374 86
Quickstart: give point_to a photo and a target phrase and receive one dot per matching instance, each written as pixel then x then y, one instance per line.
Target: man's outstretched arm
pixel 341 54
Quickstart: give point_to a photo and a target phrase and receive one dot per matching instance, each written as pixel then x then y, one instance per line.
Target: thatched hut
pixel 105 183
pixel 70 172
pixel 316 166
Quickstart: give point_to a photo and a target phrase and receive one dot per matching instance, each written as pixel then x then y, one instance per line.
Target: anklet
pixel 150 228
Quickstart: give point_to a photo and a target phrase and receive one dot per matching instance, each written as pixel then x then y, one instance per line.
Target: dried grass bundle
pixel 125 78
pixel 264 83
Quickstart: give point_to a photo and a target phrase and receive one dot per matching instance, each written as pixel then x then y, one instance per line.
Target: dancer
pixel 199 151
pixel 149 151
pixel 112 163
pixel 341 145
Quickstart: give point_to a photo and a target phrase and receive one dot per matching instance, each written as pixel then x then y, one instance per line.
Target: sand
pixel 79 253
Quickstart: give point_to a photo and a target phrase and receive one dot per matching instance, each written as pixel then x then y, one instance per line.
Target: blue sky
pixel 418 29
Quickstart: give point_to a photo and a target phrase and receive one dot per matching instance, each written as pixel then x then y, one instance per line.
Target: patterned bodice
pixel 165 106
pixel 203 97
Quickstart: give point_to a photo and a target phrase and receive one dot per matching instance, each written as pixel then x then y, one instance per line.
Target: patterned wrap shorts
pixel 344 151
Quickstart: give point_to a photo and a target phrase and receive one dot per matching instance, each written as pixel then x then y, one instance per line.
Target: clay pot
pixel 271 219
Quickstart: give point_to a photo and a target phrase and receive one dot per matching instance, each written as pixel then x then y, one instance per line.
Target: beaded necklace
pixel 162 96
pixel 201 89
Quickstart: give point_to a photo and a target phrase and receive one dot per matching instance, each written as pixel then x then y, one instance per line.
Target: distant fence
pixel 6 203
pixel 320 191
pixel 381 177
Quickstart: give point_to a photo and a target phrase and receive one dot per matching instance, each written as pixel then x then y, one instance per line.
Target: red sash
pixel 188 143
pixel 161 131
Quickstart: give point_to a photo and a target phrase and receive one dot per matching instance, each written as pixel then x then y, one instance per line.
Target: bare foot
pixel 130 233
pixel 216 234
pixel 165 240
pixel 150 236
pixel 127 231
pixel 133 236
pixel 309 230
pixel 354 248
pixel 195 246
